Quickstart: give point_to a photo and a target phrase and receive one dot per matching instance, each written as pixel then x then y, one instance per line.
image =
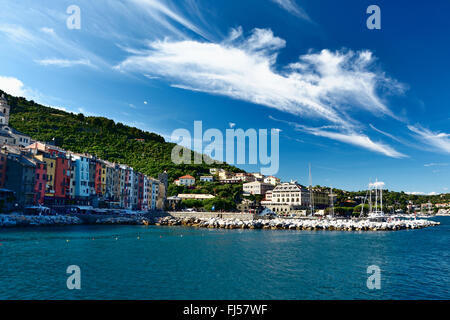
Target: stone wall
pixel 208 215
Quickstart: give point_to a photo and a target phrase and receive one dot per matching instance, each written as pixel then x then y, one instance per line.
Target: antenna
pixel 332 201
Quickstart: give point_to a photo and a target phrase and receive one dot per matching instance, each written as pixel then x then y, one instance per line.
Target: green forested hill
pixel 102 137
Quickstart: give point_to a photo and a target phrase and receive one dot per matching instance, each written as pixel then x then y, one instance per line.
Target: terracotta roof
pixel 186 177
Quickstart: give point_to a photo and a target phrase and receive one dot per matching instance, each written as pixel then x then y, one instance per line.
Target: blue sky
pixel 357 104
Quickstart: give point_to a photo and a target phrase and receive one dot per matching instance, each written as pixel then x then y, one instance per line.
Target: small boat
pixel 37 211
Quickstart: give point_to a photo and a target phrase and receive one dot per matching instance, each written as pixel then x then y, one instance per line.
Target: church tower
pixel 4 111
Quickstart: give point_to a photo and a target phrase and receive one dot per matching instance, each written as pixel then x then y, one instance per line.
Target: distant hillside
pixel 146 152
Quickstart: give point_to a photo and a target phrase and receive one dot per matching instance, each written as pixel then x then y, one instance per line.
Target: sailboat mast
pixel 310 192
pixel 381 196
pixel 376 195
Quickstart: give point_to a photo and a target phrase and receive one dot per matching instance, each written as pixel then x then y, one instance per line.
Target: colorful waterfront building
pixel 109 181
pixel 134 186
pixel 40 181
pixel 98 178
pixel 20 178
pixel 156 187
pixel 50 162
pixel 3 163
pixel 140 191
pixel 122 184
pixel 147 193
pixel 80 173
pixel 62 179
pixel 92 176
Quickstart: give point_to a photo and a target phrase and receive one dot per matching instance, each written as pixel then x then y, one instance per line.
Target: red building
pixel 3 160
pixel 126 192
pixel 40 181
pixel 98 178
pixel 140 190
pixel 62 177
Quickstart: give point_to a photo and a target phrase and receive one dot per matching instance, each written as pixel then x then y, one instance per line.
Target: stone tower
pixel 4 110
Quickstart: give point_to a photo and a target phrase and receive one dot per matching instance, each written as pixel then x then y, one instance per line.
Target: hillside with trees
pixel 146 152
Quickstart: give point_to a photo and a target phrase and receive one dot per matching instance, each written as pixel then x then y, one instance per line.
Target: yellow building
pixel 51 167
pixel 103 178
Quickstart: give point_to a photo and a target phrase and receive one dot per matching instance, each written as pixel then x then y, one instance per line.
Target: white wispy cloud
pixel 49 31
pixel 434 164
pixel 65 63
pixel 37 43
pixel 385 133
pixel 347 136
pixel 292 7
pixel 356 139
pixel 169 17
pixel 324 85
pixel 438 140
pixel 17 34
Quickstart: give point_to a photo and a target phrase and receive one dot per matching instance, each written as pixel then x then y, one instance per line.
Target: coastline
pixel 310 224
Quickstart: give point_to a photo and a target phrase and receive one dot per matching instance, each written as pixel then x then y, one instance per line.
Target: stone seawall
pixel 210 215
pixel 298 224
pixel 29 221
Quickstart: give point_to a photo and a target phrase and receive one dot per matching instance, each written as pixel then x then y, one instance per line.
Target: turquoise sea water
pixel 136 262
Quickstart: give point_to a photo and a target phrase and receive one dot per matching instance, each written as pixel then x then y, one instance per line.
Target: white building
pixel 244 177
pixel 80 176
pixel 258 176
pixel 9 135
pixel 257 187
pixel 287 197
pixel 207 178
pixel 195 196
pixel 272 180
pixel 185 181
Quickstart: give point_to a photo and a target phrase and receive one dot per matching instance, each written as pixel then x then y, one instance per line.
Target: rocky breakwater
pixel 299 224
pixel 14 220
pixel 135 220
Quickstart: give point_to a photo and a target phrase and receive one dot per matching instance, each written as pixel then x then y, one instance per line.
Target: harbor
pixel 301 224
pixel 182 262
pixel 218 221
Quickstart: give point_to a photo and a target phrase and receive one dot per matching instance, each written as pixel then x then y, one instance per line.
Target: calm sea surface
pixel 134 262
